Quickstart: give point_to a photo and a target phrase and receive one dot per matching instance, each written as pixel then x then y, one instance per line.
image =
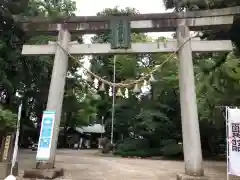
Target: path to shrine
pixel 89 165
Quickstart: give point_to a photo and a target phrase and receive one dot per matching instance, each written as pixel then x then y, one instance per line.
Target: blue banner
pixel 46 133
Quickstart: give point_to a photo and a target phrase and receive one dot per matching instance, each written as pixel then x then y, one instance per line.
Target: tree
pixel 28 76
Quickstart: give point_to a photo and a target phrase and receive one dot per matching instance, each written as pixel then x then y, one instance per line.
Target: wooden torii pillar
pixel 182 23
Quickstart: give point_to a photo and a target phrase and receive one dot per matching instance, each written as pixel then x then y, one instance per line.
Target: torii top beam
pixel 160 22
pixel 137 17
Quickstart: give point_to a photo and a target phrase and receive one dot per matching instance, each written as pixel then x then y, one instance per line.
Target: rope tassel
pixel 95 83
pixel 110 91
pixel 136 89
pixel 152 79
pixel 119 93
pixel 126 93
pixel 102 87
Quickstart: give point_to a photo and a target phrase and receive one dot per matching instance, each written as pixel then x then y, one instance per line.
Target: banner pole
pixel 227 139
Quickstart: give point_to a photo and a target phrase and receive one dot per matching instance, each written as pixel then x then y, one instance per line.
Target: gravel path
pixel 87 165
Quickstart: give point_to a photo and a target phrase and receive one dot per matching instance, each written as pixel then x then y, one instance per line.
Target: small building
pixel 84 137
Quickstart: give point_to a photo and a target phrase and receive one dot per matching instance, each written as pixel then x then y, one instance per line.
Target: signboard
pixel 46 133
pixel 6 148
pixel 233 118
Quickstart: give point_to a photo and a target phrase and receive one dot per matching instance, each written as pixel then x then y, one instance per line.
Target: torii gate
pixel 181 22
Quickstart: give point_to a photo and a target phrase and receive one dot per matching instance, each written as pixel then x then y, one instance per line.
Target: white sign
pixel 233 141
pixel 46 133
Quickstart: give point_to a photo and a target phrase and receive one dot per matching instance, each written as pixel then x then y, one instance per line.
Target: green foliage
pixel 8 120
pixel 133 144
pixel 141 148
pixel 30 76
pixel 171 148
pixel 136 147
pixel 79 104
pixel 14 7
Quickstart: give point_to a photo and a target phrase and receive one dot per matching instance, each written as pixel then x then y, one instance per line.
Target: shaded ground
pixel 86 165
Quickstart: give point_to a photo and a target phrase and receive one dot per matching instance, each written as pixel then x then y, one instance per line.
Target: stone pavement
pixel 87 165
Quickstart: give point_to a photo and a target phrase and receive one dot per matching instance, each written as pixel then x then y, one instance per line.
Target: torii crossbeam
pixel 95 49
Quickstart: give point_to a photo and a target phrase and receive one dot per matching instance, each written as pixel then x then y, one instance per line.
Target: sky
pixel 91 7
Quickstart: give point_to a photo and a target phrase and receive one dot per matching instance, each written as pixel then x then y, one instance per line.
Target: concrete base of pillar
pixel 44 165
pixel 187 177
pixel 5 169
pixel 43 173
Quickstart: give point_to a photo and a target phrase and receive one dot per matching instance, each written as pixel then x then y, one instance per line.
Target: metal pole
pixel 113 97
pixel 15 151
pixel 102 127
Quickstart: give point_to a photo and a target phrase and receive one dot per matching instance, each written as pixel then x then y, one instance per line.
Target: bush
pixel 132 144
pixel 136 148
pixel 171 148
pixel 168 141
pixel 141 148
pixel 8 121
